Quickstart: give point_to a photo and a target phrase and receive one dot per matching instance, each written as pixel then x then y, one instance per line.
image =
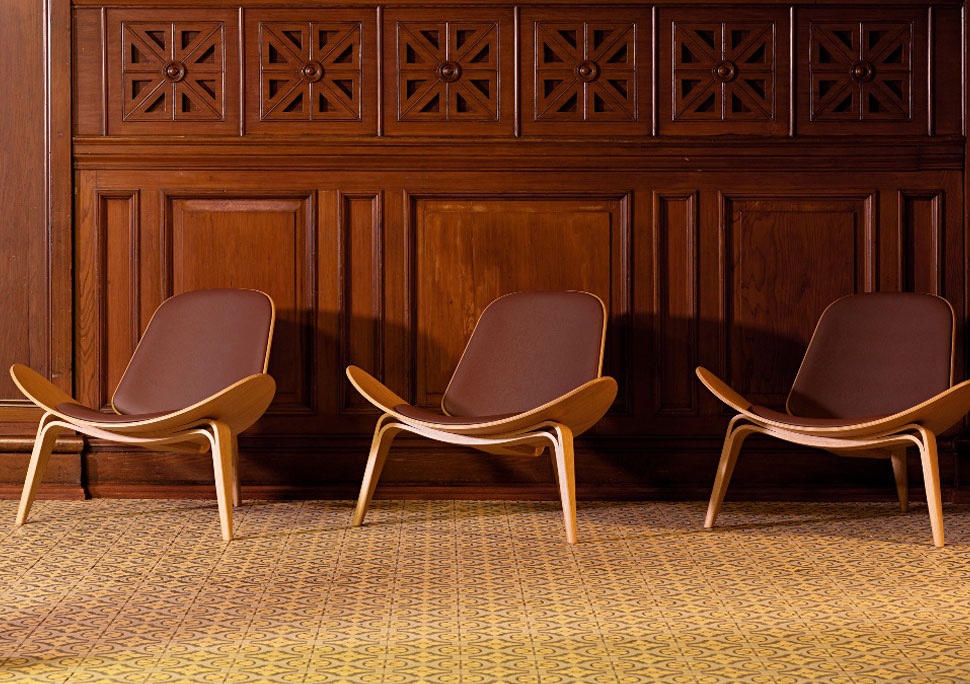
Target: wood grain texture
pixel 382 220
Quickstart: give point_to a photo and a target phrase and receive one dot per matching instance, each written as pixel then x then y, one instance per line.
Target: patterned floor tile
pixel 482 592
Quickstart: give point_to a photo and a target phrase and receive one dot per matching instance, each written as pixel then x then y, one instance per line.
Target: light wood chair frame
pixel 213 423
pixel 885 437
pixel 554 424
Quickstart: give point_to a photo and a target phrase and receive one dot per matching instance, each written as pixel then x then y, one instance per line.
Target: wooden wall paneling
pixel 449 72
pixel 260 240
pixel 921 241
pixel 362 302
pixel 677 303
pixel 724 71
pixel 467 252
pixel 586 71
pixel 35 264
pixel 311 71
pixel 787 258
pixel 947 73
pixel 117 322
pixel 866 72
pixel 172 71
pixel 89 84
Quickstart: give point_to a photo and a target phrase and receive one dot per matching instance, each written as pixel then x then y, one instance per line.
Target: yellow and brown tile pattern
pixel 483 592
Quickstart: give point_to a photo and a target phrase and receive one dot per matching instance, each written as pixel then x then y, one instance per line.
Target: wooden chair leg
pixel 733 439
pixel 43 447
pixel 566 477
pixel 898 459
pixel 931 482
pixel 384 433
pixel 236 489
pixel 223 441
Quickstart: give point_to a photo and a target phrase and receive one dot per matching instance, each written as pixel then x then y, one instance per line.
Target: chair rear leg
pixel 47 434
pixel 566 477
pixel 733 439
pixel 223 442
pixel 931 482
pixel 384 433
pixel 898 459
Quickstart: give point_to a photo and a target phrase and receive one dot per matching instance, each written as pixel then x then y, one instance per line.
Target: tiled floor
pixel 478 592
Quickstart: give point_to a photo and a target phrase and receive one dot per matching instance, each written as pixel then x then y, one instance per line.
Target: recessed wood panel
pixel 921 223
pixel 260 242
pixel 786 260
pixel 362 336
pixel 107 323
pixel 677 302
pixel 468 252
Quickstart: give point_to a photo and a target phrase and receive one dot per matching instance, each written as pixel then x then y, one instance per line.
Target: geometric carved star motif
pixel 861 71
pixel 448 71
pixel 310 71
pixel 585 71
pixel 724 71
pixel 173 71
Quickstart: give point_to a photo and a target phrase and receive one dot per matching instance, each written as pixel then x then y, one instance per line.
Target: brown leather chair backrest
pixel 875 354
pixel 528 348
pixel 195 345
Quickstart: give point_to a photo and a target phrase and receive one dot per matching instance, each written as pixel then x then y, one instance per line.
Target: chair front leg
pixel 733 439
pixel 931 482
pixel 384 433
pixel 563 455
pixel 47 434
pixel 223 458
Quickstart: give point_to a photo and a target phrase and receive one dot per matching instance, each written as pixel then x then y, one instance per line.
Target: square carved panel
pixel 865 73
pixel 311 71
pixel 586 72
pixel 172 73
pixel 450 75
pixel 726 74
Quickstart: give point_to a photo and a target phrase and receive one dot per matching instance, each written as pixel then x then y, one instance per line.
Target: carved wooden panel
pixel 727 76
pixel 468 252
pixel 786 259
pixel 865 74
pixel 311 71
pixel 255 241
pixel 586 69
pixel 450 75
pixel 171 73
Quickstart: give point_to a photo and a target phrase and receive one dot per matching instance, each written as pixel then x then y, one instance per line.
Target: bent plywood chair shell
pixel 876 379
pixel 195 381
pixel 529 379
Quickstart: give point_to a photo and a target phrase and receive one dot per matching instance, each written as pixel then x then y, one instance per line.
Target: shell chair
pixel 876 379
pixel 529 379
pixel 196 380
